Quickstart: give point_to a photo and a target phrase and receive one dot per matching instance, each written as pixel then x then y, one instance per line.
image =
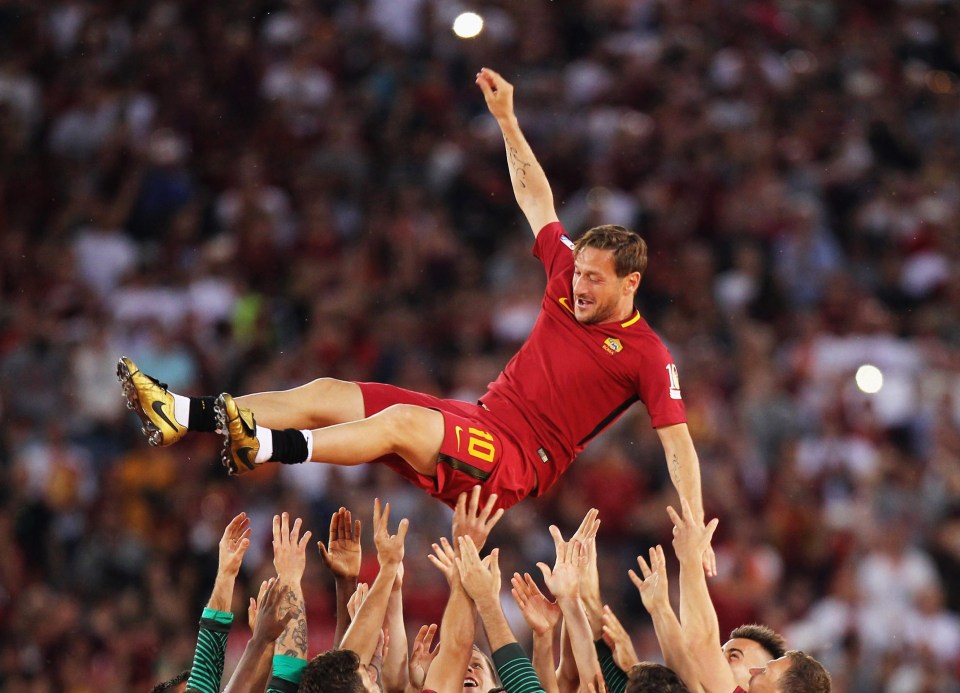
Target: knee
pixel 401 423
pixel 323 388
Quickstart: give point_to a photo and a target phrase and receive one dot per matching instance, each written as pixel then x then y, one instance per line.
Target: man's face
pixel 766 679
pixel 743 655
pixel 598 293
pixel 479 678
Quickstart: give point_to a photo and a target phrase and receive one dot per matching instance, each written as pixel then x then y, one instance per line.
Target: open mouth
pixel 470 683
pixel 582 303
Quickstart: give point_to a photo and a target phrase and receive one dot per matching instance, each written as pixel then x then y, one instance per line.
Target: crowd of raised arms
pixel 371 651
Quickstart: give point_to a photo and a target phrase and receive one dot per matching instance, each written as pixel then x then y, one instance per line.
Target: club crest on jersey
pixel 612 346
pixel 565 239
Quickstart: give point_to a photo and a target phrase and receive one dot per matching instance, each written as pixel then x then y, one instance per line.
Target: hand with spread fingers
pixel 233 545
pixel 342 554
pixel 271 618
pixel 563 580
pixel 480 577
pixel 444 558
pixel 422 655
pixel 654 585
pixel 469 520
pixel 541 614
pixel 289 549
pixel 691 539
pixel 254 607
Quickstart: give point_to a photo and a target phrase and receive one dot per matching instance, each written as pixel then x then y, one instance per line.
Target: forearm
pixel 362 635
pixel 293 641
pixel 494 622
pixel 683 465
pixel 543 661
pixel 457 634
pixel 698 617
pixel 568 678
pixel 673 646
pixel 344 588
pixel 253 669
pixel 530 185
pixel 593 606
pixel 221 598
pixel 581 638
pixel 394 671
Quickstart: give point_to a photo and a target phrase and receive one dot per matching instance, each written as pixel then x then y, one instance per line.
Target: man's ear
pixel 632 281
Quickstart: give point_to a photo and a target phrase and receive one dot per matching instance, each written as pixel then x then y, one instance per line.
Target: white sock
pixel 181 409
pixel 309 436
pixel 265 436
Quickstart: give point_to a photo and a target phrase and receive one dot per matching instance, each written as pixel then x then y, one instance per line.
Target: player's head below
pixel 795 672
pixel 337 671
pixel 649 677
pixel 749 647
pixel 609 262
pixel 481 675
pixel 178 684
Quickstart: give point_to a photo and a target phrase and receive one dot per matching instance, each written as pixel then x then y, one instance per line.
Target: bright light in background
pixel 467 25
pixel 869 379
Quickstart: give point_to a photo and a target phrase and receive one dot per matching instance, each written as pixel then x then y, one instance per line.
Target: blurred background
pixel 247 195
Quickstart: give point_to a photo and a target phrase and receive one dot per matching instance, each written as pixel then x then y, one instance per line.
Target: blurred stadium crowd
pixel 245 195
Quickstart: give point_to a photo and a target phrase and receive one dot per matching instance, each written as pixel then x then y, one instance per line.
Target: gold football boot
pixel 239 429
pixel 150 400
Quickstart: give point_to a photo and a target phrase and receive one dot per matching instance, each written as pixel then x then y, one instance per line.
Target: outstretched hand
pixel 234 544
pixel 617 638
pixel 540 613
pixel 469 520
pixel 342 552
pixel 480 578
pixel 564 578
pixel 270 623
pixel 422 655
pixel 289 549
pixel 497 92
pixel 653 586
pixel 389 546
pixel 691 539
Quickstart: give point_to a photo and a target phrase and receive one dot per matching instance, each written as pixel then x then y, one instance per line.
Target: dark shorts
pixel 475 449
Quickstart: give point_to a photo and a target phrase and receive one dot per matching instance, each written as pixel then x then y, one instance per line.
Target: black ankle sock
pixel 202 416
pixel 289 446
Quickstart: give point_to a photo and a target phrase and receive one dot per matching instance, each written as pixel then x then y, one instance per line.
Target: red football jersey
pixel 570 381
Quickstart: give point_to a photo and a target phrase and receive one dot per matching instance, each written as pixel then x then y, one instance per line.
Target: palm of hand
pixel 542 615
pixel 564 581
pixel 343 557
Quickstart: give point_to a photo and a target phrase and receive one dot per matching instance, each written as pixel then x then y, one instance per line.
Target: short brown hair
pixel 805 675
pixel 629 249
pixel 764 636
pixel 333 671
pixel 649 677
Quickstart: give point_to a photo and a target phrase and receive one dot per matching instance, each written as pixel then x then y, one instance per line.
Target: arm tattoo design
pixel 295 631
pixel 675 469
pixel 517 165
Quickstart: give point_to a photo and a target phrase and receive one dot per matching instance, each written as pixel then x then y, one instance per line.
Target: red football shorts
pixel 474 450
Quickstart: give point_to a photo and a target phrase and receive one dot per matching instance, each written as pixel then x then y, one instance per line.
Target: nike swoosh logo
pixel 457 429
pixel 158 408
pixel 244 455
pixel 565 303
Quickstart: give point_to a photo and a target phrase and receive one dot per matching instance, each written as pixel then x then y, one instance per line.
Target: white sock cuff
pixel 309 436
pixel 265 436
pixel 181 409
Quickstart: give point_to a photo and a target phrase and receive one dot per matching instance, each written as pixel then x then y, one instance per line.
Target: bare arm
pixel 362 635
pixel 249 676
pixel 684 467
pixel 656 600
pixel 457 629
pixel 395 663
pixel 290 560
pixel 530 184
pixel 568 677
pixel 233 545
pixel 542 616
pixel 342 556
pixel 701 629
pixel 564 581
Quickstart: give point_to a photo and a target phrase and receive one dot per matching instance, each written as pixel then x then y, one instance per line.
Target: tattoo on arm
pixel 517 165
pixel 295 631
pixel 675 469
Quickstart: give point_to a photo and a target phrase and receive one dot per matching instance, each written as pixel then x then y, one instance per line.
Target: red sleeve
pixel 554 249
pixel 659 387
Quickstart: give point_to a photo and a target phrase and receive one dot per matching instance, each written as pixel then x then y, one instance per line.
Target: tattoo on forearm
pixel 675 469
pixel 517 165
pixel 294 636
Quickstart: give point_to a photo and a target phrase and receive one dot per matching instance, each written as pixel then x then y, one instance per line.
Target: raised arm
pixel 530 185
pixel 342 556
pixel 395 661
pixel 653 587
pixel 457 629
pixel 268 624
pixel 362 635
pixel 217 617
pixel 701 630
pixel 290 560
pixel 684 467
pixel 563 580
pixel 542 617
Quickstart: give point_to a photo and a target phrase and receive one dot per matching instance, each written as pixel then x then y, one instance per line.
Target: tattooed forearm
pixel 518 167
pixel 675 469
pixel 293 641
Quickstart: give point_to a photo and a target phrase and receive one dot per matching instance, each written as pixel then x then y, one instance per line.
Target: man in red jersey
pixel 589 357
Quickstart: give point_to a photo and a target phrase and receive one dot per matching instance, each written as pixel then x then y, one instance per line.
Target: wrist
pixel 568 601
